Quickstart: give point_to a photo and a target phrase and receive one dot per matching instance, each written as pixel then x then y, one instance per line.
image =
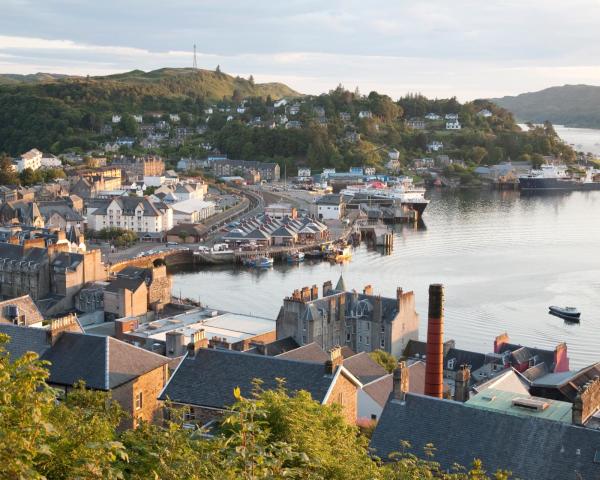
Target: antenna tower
pixel 195 66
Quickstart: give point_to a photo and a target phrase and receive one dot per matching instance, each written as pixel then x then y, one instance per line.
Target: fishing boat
pixel 314 254
pixel 569 313
pixel 294 257
pixel 263 262
pixel 341 253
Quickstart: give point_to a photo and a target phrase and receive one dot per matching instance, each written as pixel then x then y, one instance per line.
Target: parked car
pixel 172 244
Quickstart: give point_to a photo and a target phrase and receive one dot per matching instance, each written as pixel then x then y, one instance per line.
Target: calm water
pixel 502 257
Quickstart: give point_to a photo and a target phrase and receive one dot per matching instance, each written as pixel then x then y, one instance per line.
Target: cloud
pixel 466 48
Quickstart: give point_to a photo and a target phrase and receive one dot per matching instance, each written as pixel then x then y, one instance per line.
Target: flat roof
pixel 502 401
pixel 233 327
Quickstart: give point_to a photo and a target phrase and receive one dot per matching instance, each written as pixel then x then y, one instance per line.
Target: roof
pixel 311 352
pixel 504 401
pixel 24 339
pixel 101 362
pixel 122 283
pixel 507 381
pixel 380 389
pixel 209 378
pixel 330 199
pixel 67 261
pixel 26 307
pixel 364 368
pixel 530 447
pixel 567 383
pixel 279 346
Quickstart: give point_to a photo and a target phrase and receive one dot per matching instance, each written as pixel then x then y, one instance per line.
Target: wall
pixel 367 406
pixel 150 384
pixel 348 392
pixel 405 326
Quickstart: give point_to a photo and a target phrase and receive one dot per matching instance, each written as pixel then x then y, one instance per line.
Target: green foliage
pixel 385 359
pixel 270 435
pixel 120 236
pixel 7 175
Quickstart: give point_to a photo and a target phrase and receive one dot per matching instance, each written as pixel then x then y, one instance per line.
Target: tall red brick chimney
pixel 434 364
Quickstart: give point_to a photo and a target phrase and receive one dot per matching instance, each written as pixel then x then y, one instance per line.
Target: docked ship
pixel 403 192
pixel 556 177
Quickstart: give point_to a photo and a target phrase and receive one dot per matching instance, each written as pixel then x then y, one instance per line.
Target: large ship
pixel 402 191
pixel 556 177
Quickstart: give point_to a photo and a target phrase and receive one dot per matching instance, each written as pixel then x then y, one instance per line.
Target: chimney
pixel 561 359
pixel 198 340
pixel 175 343
pixel 305 293
pixel 587 402
pixel 125 325
pixel 368 290
pixel 314 292
pixel 335 360
pixel 68 323
pixel 401 381
pixel 434 366
pixel 327 287
pixel 296 295
pixel 499 341
pixel 461 383
pixel 398 298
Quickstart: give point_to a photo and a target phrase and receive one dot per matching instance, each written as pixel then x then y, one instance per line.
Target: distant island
pixel 570 105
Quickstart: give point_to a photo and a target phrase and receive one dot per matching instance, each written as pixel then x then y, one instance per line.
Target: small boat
pixel 294 257
pixel 263 262
pixel 314 254
pixel 341 253
pixel 570 313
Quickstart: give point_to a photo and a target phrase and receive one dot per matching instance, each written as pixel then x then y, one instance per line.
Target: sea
pixel 502 256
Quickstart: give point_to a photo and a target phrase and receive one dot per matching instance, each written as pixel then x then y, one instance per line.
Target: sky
pixel 440 48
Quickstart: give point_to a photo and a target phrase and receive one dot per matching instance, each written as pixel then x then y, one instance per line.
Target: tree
pixel 251 80
pixel 30 177
pixel 385 359
pixel 8 175
pixel 183 235
pixel 128 126
pixel 478 154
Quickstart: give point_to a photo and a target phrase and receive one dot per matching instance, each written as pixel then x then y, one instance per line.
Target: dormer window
pixel 451 364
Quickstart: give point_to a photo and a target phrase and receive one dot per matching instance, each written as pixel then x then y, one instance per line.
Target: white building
pixel 280 103
pixel 370 171
pixel 365 114
pixel 192 211
pixel 116 118
pixel 138 118
pixel 304 172
pixel 174 117
pixel 50 161
pixel 294 109
pixel 31 159
pixel 453 125
pixel 189 191
pixel 280 210
pixel 154 180
pixel 132 213
pixel 451 116
pixel 330 207
pixel 435 146
pixel 432 116
pixel 485 113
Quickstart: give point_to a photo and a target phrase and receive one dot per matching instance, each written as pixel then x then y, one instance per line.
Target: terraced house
pixel 138 214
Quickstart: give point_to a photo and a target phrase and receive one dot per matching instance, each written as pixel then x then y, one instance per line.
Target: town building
pixel 432 116
pixel 363 322
pixel 133 376
pixel 138 214
pixel 192 210
pixel 206 379
pixel 170 336
pixel 365 114
pixel 189 191
pixel 416 123
pixel 280 211
pixel 453 125
pixel 31 159
pixel 331 207
pixel 226 168
pixel 50 161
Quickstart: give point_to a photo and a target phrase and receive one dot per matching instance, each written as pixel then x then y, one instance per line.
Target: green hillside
pixel 571 105
pixel 42 108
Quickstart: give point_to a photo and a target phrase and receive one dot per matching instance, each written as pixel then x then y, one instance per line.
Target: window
pixel 382 343
pixel 340 398
pixel 190 415
pixel 347 337
pixel 367 340
pixel 373 416
pixel 138 401
pixel 451 364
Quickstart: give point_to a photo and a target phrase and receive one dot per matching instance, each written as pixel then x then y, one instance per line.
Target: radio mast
pixel 195 65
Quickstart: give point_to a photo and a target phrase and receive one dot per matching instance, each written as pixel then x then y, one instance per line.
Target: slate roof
pixel 16 253
pixel 463 357
pixel 26 307
pixel 24 339
pixel 532 448
pixel 209 378
pixel 280 346
pixel 565 384
pixel 522 354
pixel 129 283
pixel 380 389
pixel 67 261
pixel 363 367
pixel 311 352
pixel 47 209
pixel 128 206
pixel 102 362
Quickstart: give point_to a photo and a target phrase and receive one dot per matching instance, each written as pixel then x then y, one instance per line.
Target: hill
pixel 43 109
pixel 571 105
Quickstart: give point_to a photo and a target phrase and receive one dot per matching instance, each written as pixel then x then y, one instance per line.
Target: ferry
pixel 402 191
pixel 556 177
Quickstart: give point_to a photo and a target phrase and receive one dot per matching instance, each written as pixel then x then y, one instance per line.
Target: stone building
pixel 134 376
pixel 206 378
pixel 363 322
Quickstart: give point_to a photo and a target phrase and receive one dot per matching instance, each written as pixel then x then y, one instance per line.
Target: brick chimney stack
pixel 461 383
pixel 197 342
pixel 587 402
pixel 67 323
pixel 314 292
pixel 335 360
pixel 368 290
pixel 401 381
pixel 434 365
pixel 327 287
